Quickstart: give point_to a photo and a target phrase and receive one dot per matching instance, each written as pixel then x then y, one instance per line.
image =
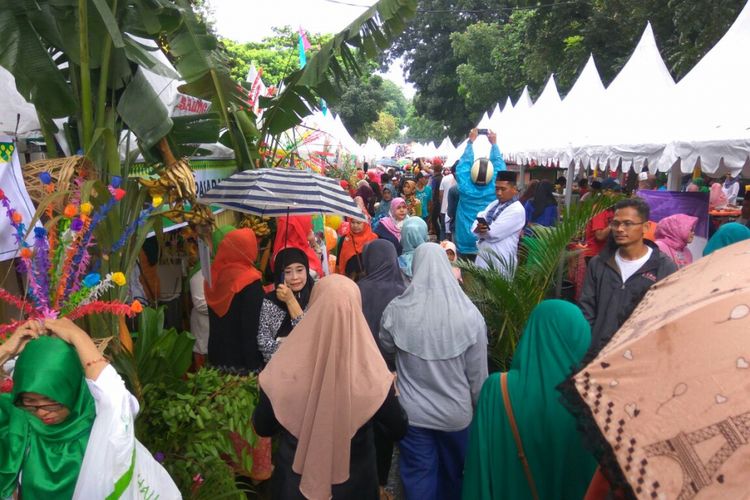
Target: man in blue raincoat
pixel 473 197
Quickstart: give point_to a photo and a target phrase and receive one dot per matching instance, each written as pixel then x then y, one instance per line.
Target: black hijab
pixel 284 258
pixel 382 282
pixel 543 198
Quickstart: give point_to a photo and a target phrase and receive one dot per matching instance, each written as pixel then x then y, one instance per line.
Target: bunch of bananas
pixel 259 225
pixel 176 184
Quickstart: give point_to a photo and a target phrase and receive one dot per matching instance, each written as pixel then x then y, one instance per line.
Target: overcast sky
pixel 252 20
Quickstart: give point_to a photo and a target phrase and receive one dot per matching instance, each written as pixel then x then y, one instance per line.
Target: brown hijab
pixel 325 382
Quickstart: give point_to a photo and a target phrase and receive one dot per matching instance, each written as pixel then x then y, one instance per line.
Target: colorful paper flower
pixel 70 211
pixel 76 225
pixel 86 208
pixel 119 279
pixel 91 280
pixel 26 253
pixel 136 307
pixel 119 194
pixel 157 200
pixel 159 457
pixel 45 178
pixel 116 181
pixel 17 218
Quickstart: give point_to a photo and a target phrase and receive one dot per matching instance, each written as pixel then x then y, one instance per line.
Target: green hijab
pixel 728 234
pixel 49 456
pixel 555 340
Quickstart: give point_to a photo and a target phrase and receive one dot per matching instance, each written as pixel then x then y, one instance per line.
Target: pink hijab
pixel 672 235
pixel 390 223
pixel 717 198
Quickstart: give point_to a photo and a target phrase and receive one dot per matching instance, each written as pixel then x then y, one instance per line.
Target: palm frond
pixel 506 300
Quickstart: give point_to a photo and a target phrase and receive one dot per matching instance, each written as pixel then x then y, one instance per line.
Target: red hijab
pixel 294 234
pixel 353 245
pixel 232 270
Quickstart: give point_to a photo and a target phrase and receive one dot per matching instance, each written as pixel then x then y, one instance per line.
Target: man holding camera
pixel 475 181
pixel 499 226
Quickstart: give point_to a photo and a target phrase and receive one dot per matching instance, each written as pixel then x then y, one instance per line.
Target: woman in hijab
pixel 529 192
pixel 390 227
pixel 297 231
pixel 554 341
pixel 717 199
pixel 413 234
pixel 728 234
pixel 384 206
pixel 350 249
pixel 542 208
pixel 382 283
pixel 365 192
pixel 234 300
pixel 452 253
pixel 410 197
pixel 440 342
pixel 284 307
pixel 673 234
pixel 321 392
pixel 67 427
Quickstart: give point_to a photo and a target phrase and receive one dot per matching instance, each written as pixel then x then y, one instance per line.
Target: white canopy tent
pixel 710 108
pixel 521 136
pixel 371 150
pixel 446 148
pixel 626 130
pixel 555 133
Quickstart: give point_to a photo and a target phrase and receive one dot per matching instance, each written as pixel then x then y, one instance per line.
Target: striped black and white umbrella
pixel 275 192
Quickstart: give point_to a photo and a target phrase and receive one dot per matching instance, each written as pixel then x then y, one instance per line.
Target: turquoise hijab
pixel 413 234
pixel 728 234
pixel 554 341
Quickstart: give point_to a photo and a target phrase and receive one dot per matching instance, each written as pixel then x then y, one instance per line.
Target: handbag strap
pixel 517 436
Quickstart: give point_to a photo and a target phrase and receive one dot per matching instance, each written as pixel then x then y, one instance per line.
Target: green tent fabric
pixel 554 341
pixel 728 234
pixel 49 456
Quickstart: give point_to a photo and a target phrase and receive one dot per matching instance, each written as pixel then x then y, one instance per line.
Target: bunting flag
pixel 303 45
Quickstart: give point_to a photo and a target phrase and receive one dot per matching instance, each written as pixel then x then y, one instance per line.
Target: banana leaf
pixel 143 112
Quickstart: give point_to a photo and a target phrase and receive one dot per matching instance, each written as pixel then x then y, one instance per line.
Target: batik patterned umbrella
pixel 669 394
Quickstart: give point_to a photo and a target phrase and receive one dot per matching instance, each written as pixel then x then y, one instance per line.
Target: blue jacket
pixel 472 197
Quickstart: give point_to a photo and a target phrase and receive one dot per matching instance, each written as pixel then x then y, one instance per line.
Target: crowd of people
pixel 386 348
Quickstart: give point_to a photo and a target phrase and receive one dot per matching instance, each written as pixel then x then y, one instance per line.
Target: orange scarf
pixel 232 270
pixel 353 245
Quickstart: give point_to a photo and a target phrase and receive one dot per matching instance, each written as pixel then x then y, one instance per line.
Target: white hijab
pixel 433 319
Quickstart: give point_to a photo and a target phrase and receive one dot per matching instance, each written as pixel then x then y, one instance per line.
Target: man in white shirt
pixel 499 226
pixel 448 182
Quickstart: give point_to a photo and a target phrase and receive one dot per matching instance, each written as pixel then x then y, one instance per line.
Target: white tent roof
pixel 518 144
pixel 555 133
pixel 484 122
pixel 496 113
pixel 628 130
pixel 711 106
pixel 446 148
pixel 371 150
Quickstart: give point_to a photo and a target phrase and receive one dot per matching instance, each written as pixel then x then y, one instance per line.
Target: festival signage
pixel 188 105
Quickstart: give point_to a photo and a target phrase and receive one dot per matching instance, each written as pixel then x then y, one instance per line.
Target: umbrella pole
pixel 286 230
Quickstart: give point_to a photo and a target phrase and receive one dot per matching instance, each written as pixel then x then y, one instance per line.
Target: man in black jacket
pixel 619 277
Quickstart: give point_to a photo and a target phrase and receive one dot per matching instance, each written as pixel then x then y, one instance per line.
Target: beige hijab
pixel 325 382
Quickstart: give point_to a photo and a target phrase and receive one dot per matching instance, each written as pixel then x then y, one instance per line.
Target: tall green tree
pixel 384 129
pixel 421 129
